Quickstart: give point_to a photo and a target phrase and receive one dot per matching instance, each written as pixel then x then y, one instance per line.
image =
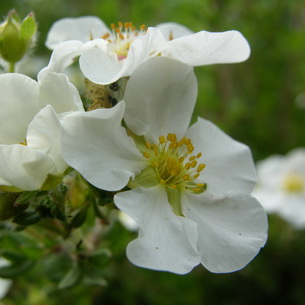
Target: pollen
pixel 121 37
pixel 174 162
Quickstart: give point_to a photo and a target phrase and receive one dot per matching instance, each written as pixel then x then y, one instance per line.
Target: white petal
pixel 172 30
pixel 58 91
pixel 23 167
pixel 204 48
pixel 96 145
pixel 229 165
pixel 19 104
pixel 62 56
pixel 81 28
pixel 231 229
pixel 160 98
pixel 44 137
pixel 104 68
pixel 165 240
pixel 100 67
pixel 291 207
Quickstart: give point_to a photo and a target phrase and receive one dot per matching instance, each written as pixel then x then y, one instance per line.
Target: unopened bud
pixel 16 37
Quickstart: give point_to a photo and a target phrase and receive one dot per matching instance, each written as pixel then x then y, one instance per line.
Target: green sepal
pixel 147 178
pixel 51 182
pixel 28 29
pixel 174 198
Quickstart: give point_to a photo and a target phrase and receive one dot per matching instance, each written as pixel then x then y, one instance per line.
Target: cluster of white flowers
pixel 187 187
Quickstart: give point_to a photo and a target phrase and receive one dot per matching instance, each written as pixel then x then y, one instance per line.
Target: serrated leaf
pixel 71 278
pixel 27 218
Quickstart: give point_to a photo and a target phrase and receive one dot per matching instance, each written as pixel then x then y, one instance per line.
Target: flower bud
pixel 16 37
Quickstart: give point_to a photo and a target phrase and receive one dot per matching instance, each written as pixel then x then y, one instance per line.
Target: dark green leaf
pixel 27 218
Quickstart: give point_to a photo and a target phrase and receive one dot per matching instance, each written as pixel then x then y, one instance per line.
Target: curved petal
pixel 62 56
pixel 160 98
pixel 96 145
pixel 205 48
pixel 231 229
pixel 44 136
pixel 166 241
pixel 23 167
pixel 104 68
pixel 229 164
pixel 291 207
pixel 58 91
pixel 19 104
pixel 82 28
pixel 172 30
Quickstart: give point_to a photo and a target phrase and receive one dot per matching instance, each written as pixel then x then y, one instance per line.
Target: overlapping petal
pixel 24 168
pixel 172 30
pixel 82 28
pixel 231 229
pixel 161 101
pixel 30 133
pixel 166 241
pixel 63 56
pixel 44 136
pixel 104 67
pixel 56 90
pixel 229 164
pixel 95 144
pixel 16 114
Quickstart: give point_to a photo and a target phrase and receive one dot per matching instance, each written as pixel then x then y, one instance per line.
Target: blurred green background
pixel 260 102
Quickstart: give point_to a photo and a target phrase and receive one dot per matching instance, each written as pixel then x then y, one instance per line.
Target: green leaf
pixel 8 206
pixel 16 269
pixel 100 258
pixel 79 218
pixel 71 278
pixel 27 218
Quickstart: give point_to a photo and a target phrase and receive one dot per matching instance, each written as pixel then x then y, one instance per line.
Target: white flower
pixel 187 213
pixel 30 117
pixel 107 55
pixel 281 187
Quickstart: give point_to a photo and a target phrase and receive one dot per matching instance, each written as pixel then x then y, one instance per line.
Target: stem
pixel 11 67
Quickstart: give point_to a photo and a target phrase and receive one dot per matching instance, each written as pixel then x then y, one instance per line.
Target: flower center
pixel 121 37
pixel 293 183
pixel 175 164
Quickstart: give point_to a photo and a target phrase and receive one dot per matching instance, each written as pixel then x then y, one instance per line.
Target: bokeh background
pixel 260 102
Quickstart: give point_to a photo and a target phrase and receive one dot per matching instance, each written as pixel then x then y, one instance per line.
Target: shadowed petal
pixel 96 145
pixel 166 241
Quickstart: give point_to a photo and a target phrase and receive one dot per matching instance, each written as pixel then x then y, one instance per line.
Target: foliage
pixel 258 102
